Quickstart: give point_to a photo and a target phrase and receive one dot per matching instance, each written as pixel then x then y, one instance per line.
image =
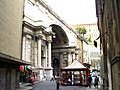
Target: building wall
pixel 92 32
pixel 2 78
pixel 80 50
pixel 108 22
pixel 11 14
pixel 8 76
pixel 114 34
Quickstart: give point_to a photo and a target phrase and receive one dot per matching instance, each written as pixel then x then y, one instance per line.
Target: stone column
pixel 76 54
pixel 49 54
pixel 35 54
pixel 69 57
pixel 28 48
pixel 46 56
pixel 39 51
pixel 40 72
pixel 49 69
pixel 73 56
pixel 24 48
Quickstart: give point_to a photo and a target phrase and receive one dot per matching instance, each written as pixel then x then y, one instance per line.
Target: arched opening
pixel 60 36
pixel 56 67
pixel 59 42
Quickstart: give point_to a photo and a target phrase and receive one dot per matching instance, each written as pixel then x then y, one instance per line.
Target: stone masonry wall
pixel 11 13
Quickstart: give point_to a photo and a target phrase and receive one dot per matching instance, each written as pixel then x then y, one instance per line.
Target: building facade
pixel 91 54
pixel 107 12
pixel 58 45
pixel 33 38
pixel 11 15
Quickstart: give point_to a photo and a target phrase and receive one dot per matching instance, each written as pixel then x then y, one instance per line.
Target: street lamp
pixel 95 42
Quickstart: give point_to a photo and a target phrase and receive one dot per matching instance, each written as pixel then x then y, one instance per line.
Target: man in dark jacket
pixel 96 82
pixel 89 80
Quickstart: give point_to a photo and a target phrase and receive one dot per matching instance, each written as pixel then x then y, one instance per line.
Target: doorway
pixel 56 67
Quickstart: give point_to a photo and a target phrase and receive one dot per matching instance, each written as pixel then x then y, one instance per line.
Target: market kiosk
pixel 75 74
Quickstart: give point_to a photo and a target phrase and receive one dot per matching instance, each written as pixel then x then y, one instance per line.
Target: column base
pixel 39 72
pixel 41 75
pixel 49 73
pixel 47 68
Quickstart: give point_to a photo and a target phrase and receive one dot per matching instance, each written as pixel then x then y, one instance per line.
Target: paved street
pixel 47 85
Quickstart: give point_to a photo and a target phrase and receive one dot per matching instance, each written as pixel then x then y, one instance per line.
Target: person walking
pixel 69 81
pixel 52 78
pixel 96 82
pixel 57 82
pixel 89 81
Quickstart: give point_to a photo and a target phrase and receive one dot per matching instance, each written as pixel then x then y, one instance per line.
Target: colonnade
pixel 42 61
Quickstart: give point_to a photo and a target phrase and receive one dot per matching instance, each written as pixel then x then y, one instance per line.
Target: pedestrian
pixel 81 80
pixel 57 83
pixel 69 81
pixel 89 80
pixel 96 82
pixel 52 79
pixel 31 79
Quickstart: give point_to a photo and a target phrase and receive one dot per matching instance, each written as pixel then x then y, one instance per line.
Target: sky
pixel 74 11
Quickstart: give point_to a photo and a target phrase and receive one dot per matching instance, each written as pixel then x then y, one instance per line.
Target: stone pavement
pixel 25 86
pixel 47 85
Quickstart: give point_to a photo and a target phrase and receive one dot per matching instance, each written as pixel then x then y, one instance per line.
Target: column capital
pixel 49 41
pixel 39 36
pixel 49 38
